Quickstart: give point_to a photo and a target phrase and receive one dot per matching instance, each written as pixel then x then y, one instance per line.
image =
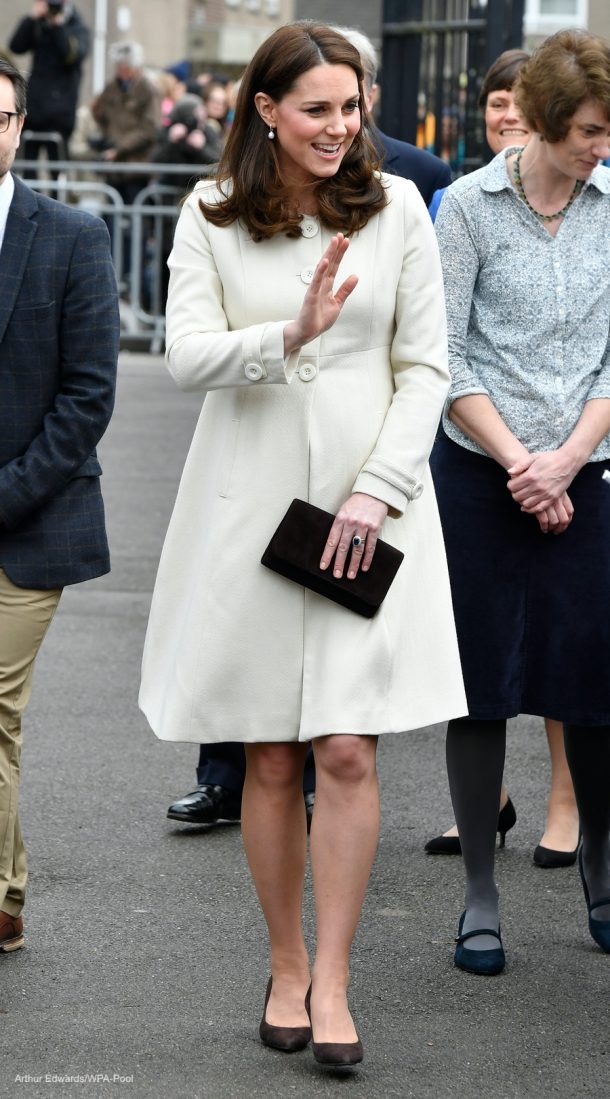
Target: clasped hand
pixel 538 484
pixel 362 516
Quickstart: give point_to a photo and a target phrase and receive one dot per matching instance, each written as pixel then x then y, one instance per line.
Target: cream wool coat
pixel 234 651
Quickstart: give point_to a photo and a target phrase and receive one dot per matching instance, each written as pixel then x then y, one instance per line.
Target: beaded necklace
pixel 578 186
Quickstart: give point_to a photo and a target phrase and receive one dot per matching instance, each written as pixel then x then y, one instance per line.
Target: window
pixel 559 7
pixel 546 16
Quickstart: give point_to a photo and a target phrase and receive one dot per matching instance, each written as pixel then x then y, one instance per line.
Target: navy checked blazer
pixel 59 332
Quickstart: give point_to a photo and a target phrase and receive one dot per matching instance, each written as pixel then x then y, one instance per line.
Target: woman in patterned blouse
pixel 518 470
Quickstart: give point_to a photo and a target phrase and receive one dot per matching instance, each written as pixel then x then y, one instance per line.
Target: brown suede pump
pixel 334 1054
pixel 288 1039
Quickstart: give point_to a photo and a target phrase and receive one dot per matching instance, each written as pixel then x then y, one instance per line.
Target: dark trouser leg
pixel 32 150
pixel 222 765
pixel 309 774
pixel 475 763
pixel 588 754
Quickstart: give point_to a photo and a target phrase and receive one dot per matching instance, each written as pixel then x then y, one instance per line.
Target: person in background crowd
pixel 222 767
pixel 59 343
pixel 505 127
pixel 230 644
pixel 190 142
pixel 56 36
pixel 216 99
pixel 187 140
pixel 518 469
pixel 127 112
pixel 173 82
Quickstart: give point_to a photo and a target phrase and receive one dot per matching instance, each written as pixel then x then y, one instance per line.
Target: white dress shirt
pixel 7 190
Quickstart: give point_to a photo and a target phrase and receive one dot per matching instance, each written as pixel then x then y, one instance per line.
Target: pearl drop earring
pixel 271 134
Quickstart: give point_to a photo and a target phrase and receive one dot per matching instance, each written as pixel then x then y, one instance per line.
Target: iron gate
pixel 435 55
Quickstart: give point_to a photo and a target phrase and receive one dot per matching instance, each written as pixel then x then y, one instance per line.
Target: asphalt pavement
pixel 145 962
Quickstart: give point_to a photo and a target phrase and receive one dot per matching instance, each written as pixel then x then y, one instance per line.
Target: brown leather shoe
pixel 11 933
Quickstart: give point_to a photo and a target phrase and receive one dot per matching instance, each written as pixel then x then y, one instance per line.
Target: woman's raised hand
pixel 321 304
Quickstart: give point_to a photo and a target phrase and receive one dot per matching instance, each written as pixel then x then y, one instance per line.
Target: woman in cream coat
pixel 339 407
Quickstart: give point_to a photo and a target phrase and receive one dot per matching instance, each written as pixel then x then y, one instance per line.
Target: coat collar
pixel 21 227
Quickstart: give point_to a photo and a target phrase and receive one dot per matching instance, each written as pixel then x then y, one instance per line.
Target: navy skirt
pixel 532 610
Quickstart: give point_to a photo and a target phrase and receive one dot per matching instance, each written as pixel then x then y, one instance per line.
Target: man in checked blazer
pixel 58 352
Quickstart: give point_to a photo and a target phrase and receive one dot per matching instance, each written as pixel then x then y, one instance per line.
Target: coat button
pixel 307 274
pixel 253 371
pixel 309 228
pixel 417 490
pixel 307 371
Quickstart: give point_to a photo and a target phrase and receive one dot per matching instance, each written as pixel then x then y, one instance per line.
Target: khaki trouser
pixel 25 615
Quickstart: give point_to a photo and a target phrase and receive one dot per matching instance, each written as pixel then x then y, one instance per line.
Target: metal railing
pixel 140 231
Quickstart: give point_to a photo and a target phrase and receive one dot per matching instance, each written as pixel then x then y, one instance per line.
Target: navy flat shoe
pixel 482 962
pixel 600 929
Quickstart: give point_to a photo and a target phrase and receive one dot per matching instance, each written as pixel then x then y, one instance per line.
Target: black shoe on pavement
pixel 207 805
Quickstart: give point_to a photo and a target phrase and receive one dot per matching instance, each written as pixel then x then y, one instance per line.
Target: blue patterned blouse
pixel 528 314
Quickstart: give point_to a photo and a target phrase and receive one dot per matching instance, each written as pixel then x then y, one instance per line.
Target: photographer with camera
pixel 58 39
pixel 190 141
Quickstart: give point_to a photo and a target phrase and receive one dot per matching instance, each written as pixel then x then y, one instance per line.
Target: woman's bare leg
pixel 561 831
pixel 344 835
pixel 274 829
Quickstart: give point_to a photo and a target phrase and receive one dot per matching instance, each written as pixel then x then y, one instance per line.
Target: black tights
pixel 475 764
pixel 588 755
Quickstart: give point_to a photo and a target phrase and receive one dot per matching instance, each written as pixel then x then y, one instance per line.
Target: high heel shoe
pixel 334 1054
pixel 450 845
pixel 600 929
pixel 483 962
pixel 548 859
pixel 288 1039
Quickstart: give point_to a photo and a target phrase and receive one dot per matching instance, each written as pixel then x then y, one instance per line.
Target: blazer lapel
pixel 18 236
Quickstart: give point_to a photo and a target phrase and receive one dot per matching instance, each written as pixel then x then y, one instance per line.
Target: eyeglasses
pixel 5 119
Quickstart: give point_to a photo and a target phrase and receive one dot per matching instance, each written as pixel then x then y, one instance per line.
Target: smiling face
pixel 504 125
pixel 315 123
pixel 9 141
pixel 585 145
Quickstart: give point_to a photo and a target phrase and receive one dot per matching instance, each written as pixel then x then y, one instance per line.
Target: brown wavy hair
pixel 567 69
pixel 256 194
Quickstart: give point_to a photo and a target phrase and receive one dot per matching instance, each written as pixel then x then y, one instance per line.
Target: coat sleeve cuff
pixel 394 497
pixel 263 355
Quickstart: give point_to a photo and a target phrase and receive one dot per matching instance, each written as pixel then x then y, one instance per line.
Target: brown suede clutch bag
pixel 295 551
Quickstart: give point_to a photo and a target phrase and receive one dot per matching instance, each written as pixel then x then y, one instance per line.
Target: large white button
pixel 253 371
pixel 307 274
pixel 309 228
pixel 307 371
pixel 417 490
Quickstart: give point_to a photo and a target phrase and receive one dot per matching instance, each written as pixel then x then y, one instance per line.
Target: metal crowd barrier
pixel 140 232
